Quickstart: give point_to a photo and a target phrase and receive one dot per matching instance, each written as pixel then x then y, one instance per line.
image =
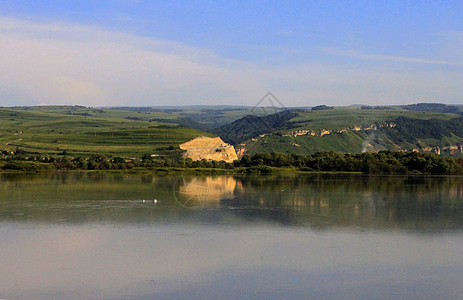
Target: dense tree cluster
pixel 322 107
pixel 383 162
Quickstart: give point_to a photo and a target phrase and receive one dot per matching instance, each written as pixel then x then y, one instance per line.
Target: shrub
pixel 27 166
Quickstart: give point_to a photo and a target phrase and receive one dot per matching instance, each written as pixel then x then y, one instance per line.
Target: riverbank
pixel 385 162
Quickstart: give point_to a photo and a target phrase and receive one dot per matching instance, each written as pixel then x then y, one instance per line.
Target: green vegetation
pixel 349 142
pixel 348 129
pixel 206 117
pixel 409 128
pixel 79 131
pixel 26 166
pixel 44 138
pixel 251 126
pixel 434 107
pixel 322 107
pixel 384 162
pixel 132 132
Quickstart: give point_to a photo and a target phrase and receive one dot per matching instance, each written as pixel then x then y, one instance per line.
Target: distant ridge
pixel 434 107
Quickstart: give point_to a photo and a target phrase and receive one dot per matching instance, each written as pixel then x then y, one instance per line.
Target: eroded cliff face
pixel 209 148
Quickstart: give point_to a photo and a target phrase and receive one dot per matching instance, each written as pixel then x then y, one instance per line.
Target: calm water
pixel 84 235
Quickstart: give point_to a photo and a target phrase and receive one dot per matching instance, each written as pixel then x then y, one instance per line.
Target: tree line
pixel 383 162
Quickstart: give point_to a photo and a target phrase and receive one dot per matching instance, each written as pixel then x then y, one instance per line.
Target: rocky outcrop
pixel 323 132
pixel 452 150
pixel 209 149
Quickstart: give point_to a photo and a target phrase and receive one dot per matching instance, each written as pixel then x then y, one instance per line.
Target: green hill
pixel 205 117
pixel 81 131
pixel 349 129
pixel 137 131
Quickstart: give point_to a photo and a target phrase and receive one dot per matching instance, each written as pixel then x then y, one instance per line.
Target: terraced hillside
pixel 81 131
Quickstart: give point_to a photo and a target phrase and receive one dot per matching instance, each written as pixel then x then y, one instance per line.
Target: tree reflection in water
pixel 318 200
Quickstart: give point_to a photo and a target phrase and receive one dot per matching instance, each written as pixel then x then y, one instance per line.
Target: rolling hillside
pixel 81 131
pixel 205 117
pixel 134 132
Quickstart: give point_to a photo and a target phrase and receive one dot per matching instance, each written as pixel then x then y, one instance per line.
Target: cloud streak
pixel 382 57
pixel 63 63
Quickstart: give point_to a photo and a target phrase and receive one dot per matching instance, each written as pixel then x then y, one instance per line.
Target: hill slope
pixel 351 129
pixel 204 117
pixel 82 131
pixel 86 131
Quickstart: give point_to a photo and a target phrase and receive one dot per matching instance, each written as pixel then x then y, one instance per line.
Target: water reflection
pixel 90 235
pixel 206 190
pixel 318 201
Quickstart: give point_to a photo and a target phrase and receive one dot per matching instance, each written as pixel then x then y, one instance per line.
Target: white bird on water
pixel 146 201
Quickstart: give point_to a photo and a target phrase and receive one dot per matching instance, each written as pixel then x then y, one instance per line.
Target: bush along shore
pixel 383 162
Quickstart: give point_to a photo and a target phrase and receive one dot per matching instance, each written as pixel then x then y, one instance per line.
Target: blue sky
pixel 135 52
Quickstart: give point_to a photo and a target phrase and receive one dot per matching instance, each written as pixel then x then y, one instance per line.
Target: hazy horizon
pixel 223 105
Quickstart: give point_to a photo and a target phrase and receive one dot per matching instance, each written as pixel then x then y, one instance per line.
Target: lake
pixel 118 236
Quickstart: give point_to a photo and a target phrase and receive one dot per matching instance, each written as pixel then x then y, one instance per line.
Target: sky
pixel 155 53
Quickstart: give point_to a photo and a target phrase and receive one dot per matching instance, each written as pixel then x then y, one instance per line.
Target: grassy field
pixel 82 131
pixel 100 112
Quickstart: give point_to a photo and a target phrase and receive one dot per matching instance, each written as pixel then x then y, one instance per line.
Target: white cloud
pixel 66 64
pixel 393 58
pixel 62 63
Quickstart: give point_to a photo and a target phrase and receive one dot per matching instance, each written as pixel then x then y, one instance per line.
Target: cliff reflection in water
pixel 208 190
pixel 317 201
